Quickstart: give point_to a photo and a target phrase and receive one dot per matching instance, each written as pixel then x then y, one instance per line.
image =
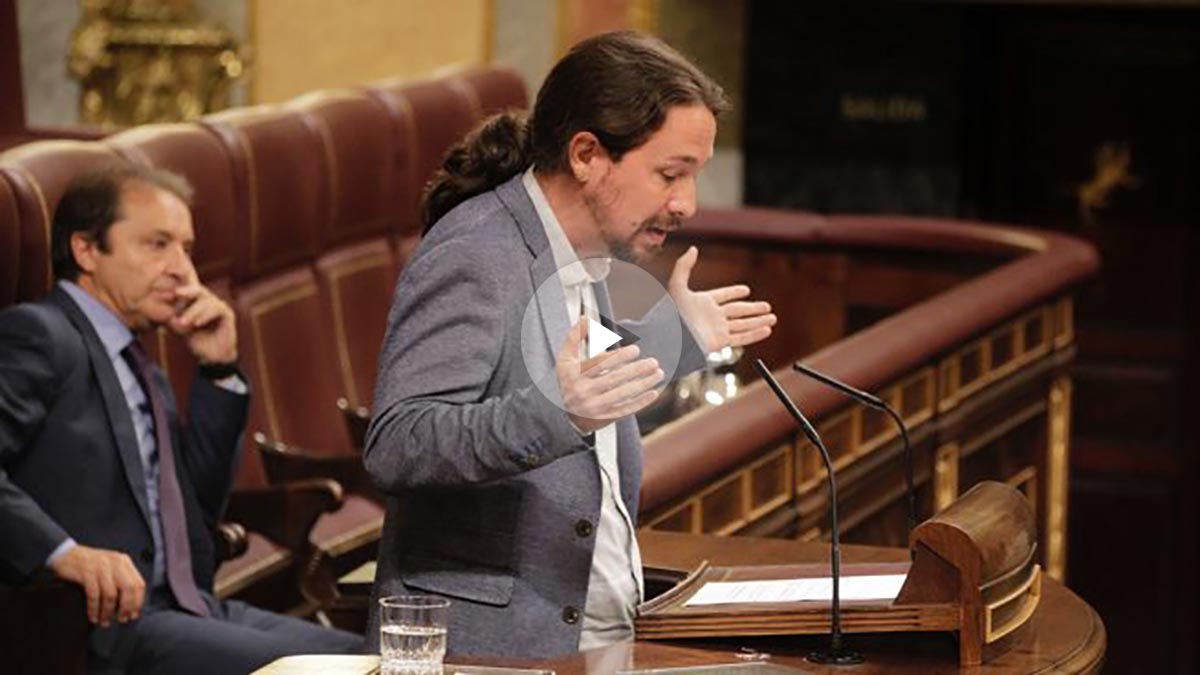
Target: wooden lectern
pixel 973 572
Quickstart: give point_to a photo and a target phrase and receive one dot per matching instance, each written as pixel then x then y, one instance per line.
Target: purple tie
pixel 170 499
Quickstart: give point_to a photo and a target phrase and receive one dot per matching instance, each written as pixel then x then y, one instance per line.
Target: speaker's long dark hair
pixel 618 86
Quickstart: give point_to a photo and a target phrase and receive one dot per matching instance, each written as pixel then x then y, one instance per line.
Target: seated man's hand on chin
pixel 113 586
pixel 207 322
pixel 720 317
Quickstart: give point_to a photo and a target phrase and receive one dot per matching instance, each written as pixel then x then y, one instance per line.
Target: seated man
pixel 100 482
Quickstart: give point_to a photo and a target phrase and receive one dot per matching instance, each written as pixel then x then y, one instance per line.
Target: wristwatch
pixel 219 371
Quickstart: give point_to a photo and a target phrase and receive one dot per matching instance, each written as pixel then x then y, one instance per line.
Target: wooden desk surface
pixel 1065 635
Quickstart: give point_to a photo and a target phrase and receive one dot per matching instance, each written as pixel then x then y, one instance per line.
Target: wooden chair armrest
pixel 357 419
pixel 285 463
pixel 229 541
pixel 285 513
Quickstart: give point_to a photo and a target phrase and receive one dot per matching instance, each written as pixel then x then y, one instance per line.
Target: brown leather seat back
pixel 289 357
pixel 432 116
pixel 496 89
pixel 10 245
pixel 357 269
pixel 38 174
pixel 358 140
pixel 356 284
pixel 280 172
pixel 281 166
pixel 198 155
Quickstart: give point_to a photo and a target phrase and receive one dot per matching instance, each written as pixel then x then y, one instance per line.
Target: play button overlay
pixel 600 338
pixel 635 310
pixel 606 334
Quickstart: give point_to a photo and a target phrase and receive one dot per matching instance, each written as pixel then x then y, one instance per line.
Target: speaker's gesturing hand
pixel 721 317
pixel 604 388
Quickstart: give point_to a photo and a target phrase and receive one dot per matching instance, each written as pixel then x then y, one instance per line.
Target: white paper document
pixel 869 587
pixel 321 664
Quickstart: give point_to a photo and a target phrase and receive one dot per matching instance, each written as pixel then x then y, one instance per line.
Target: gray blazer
pixel 488 483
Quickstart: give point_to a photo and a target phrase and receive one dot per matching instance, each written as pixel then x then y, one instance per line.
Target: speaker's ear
pixel 583 152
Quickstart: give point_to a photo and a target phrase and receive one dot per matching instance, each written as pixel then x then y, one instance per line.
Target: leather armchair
pixel 44 626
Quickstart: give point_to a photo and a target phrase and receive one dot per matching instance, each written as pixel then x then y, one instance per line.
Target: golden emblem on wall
pixel 142 61
pixel 1111 162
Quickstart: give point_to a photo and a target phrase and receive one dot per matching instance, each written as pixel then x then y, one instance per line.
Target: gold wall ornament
pixel 1111 162
pixel 142 61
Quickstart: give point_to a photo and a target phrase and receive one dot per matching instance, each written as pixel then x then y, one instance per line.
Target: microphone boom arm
pixel 836 655
pixel 878 404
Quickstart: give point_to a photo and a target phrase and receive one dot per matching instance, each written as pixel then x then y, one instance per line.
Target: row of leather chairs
pixel 304 212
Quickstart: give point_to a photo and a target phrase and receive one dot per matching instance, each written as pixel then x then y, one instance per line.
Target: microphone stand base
pixel 835 657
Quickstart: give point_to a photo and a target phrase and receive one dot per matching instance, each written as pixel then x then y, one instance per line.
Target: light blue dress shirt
pixel 115 337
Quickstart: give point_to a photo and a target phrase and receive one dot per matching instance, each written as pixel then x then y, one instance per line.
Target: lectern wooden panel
pixel 973 572
pixel 1064 634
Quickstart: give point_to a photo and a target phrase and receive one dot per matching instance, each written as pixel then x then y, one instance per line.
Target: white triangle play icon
pixel 599 338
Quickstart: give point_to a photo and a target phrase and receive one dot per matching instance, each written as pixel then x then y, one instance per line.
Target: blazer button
pixel 584 528
pixel 570 615
pixel 532 460
pixel 147 555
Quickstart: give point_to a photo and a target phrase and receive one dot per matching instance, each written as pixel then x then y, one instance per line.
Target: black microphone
pixel 878 404
pixel 836 654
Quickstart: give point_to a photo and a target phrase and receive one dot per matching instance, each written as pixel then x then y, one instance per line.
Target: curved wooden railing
pixel 966 366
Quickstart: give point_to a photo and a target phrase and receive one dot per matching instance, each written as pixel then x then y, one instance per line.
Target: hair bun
pixel 494 152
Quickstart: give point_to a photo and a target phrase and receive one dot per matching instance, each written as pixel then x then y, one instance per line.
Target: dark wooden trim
pixel 12 112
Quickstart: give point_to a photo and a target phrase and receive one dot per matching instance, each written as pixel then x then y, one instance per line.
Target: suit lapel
pixel 551 301
pixel 514 197
pixel 115 404
pixel 552 306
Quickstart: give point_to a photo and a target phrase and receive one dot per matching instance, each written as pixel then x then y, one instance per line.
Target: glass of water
pixel 412 634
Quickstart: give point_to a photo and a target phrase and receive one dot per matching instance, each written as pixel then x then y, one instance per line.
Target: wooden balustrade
pixel 965 328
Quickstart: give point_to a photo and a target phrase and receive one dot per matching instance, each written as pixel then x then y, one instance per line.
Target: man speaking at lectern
pixel 512 494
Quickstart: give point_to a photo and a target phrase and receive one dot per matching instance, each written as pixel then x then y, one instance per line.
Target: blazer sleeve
pixel 433 424
pixel 30 379
pixel 212 437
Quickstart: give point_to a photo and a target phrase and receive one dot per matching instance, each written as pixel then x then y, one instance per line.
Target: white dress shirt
pixel 615 585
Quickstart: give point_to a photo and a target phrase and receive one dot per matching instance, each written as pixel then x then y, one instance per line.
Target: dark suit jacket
pixel 69 462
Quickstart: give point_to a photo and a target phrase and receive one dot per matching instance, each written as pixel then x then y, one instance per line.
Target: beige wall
pixel 302 45
pixel 51 96
pixel 524 37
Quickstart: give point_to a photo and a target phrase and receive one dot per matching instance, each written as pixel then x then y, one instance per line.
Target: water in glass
pixel 412 649
pixel 412 634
